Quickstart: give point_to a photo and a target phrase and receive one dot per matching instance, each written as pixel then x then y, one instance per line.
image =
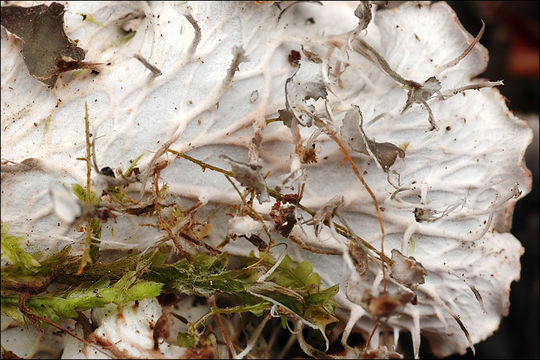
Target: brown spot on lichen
pixel 308 155
pixel 359 257
pixel 204 352
pixel 294 57
pixel 383 305
pixel 162 329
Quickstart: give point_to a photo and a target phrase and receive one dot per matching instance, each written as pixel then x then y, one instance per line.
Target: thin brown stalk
pixel 88 243
pixel 278 196
pixel 465 52
pixel 371 335
pixel 375 203
pixel 224 333
pixel 314 250
pixel 253 213
pixel 163 224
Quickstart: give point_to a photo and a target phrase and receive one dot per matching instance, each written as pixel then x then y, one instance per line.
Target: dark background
pixel 511 36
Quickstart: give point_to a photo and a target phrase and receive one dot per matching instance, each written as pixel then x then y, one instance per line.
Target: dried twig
pixel 366 186
pixel 224 333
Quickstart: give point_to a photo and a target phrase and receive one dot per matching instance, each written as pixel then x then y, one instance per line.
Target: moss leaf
pixel 12 248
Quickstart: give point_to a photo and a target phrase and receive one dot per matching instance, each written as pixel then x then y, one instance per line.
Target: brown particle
pixel 168 299
pixel 308 155
pixel 161 329
pixel 161 165
pixel 203 352
pixel 294 57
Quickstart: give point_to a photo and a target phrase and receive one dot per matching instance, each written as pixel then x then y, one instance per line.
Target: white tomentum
pixel 446 204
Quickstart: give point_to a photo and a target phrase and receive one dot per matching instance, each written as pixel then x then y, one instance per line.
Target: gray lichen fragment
pixel 363 13
pixel 359 257
pixel 421 95
pixel 305 84
pixel 426 91
pixel 406 270
pixel 311 56
pixel 351 130
pixel 327 212
pixel 249 176
pixel 47 51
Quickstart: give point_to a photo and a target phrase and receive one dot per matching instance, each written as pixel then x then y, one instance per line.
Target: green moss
pixel 132 166
pixel 186 340
pixel 90 18
pixel 258 284
pixel 66 304
pixel 412 245
pixel 80 192
pixel 47 122
pixel 12 247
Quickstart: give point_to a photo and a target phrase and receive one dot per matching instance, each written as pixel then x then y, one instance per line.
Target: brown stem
pixel 371 335
pixel 357 172
pixel 224 333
